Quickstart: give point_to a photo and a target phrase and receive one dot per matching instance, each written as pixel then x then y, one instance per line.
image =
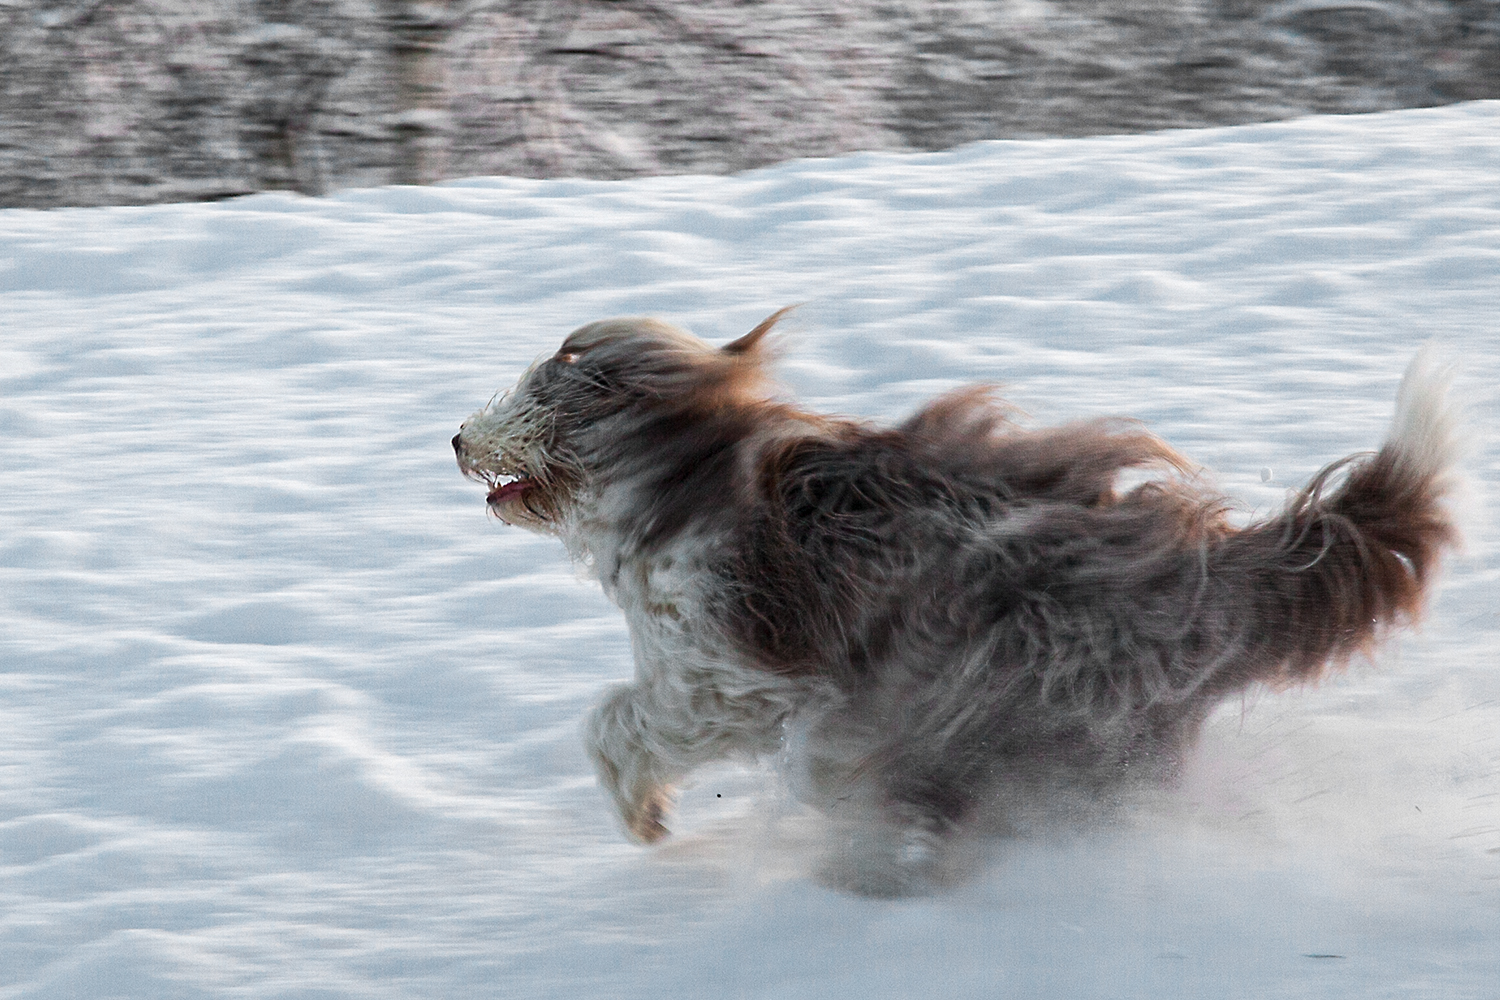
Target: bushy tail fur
pixel 1349 558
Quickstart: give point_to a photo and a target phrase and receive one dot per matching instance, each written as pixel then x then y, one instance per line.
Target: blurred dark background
pixel 135 101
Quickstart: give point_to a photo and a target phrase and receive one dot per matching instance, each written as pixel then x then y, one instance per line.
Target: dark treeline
pixel 130 101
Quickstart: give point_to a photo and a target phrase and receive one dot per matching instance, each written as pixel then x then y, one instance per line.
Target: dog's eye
pixel 568 358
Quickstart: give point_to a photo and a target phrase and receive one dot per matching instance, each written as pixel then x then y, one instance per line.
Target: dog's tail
pixel 1348 559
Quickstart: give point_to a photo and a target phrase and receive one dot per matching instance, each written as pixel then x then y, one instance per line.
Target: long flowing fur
pixel 944 612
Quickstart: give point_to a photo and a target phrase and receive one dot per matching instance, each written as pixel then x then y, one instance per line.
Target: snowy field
pixel 284 714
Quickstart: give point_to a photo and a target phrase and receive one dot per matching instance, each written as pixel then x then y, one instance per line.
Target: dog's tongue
pixel 508 490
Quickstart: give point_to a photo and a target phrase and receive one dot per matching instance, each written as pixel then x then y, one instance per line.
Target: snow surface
pixel 283 714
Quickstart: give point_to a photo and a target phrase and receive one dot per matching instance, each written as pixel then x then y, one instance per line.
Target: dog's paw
pixel 646 823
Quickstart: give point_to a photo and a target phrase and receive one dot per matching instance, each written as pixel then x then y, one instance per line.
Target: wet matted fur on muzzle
pixel 942 613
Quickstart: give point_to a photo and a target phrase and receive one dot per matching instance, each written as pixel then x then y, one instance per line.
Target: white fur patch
pixel 1425 430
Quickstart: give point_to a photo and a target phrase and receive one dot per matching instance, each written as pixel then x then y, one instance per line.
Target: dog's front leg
pixel 645 737
pixel 620 739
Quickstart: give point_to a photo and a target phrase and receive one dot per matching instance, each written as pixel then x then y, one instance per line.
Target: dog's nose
pixel 458 444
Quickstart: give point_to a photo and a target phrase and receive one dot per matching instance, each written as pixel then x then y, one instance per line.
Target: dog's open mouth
pixel 508 488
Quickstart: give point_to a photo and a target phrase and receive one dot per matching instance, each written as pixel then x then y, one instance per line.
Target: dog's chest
pixel 664 595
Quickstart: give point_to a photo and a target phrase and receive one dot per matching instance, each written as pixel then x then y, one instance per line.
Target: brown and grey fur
pixel 942 612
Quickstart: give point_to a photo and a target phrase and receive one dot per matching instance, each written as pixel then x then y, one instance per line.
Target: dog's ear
pixel 750 341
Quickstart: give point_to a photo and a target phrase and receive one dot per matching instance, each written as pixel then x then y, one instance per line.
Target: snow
pixel 282 713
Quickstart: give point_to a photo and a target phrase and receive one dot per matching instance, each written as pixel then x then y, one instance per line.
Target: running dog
pixel 940 613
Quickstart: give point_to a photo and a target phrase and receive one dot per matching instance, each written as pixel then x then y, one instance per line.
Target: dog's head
pixel 542 446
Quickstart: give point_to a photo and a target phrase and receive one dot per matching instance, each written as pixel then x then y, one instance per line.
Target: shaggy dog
pixel 943 615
